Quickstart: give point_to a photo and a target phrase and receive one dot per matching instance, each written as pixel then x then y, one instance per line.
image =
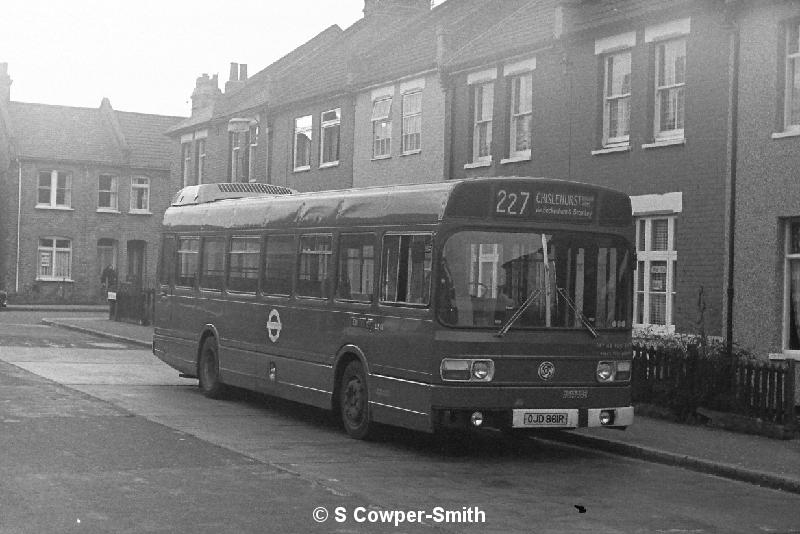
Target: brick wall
pixel 567 117
pixel 84 226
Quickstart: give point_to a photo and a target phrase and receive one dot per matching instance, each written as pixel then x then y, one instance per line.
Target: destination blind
pixel 548 203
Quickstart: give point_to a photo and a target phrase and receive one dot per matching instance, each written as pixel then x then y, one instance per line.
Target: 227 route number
pixel 512 203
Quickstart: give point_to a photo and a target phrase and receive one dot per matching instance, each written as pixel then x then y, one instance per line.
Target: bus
pixel 483 302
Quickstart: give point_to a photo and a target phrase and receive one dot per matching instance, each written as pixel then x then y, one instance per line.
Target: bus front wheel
pixel 354 401
pixel 208 370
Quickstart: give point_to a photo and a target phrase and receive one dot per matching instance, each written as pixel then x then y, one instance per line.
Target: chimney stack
pixel 5 83
pixel 238 76
pixel 205 92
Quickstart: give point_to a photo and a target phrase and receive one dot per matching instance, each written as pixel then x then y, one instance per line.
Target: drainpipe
pixel 734 140
pixel 19 220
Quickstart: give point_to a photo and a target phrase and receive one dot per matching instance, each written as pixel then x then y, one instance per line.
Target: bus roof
pixel 430 203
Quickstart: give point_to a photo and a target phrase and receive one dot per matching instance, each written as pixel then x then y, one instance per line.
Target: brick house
pixel 80 189
pixel 401 105
pixel 766 311
pixel 632 95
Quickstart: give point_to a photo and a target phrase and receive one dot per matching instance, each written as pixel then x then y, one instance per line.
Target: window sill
pixel 784 135
pixel 478 164
pixel 329 164
pixel 515 159
pixel 376 158
pixel 302 169
pixel 57 208
pixel 787 354
pixel 665 142
pixel 411 152
pixel 140 212
pixel 611 150
pixel 53 279
pixel 107 210
pixel 653 329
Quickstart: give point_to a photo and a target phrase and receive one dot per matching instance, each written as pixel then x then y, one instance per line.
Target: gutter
pixel 19 220
pixel 734 140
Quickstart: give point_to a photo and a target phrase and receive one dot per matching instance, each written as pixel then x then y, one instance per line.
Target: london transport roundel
pixel 547 370
pixel 274 325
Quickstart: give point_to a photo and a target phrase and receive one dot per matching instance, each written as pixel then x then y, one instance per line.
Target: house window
pixel 302 143
pixel 382 127
pixel 356 267
pixel 140 194
pixel 329 137
pixel 236 156
pixel 617 99
pixel 406 268
pixel 107 192
pixel 791 292
pixel 670 89
pixel 186 162
pixel 412 122
pixel 482 111
pixel 315 257
pixel 521 116
pixel 55 259
pixel 188 253
pixel 654 285
pixel 251 152
pixel 199 160
pixel 243 261
pixel 55 190
pixel 792 91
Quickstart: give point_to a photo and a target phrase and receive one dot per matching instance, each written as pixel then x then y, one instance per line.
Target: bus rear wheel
pixel 208 370
pixel 354 401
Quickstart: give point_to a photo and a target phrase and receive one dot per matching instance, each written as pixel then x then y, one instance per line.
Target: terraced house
pixel 645 97
pixel 81 190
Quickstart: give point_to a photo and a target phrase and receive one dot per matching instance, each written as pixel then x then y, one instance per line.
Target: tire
pixel 208 370
pixel 354 401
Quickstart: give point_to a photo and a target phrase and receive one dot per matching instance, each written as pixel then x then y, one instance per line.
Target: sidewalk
pixel 755 459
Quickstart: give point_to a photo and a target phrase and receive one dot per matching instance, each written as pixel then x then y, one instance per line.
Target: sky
pixel 145 55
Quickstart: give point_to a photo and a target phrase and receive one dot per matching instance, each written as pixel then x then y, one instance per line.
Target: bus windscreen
pixel 559 279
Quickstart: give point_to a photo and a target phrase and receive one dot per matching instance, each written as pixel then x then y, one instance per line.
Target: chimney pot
pixel 234 75
pixel 242 72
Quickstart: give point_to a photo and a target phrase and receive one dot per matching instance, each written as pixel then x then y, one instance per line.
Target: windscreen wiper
pixel 575 309
pixel 525 305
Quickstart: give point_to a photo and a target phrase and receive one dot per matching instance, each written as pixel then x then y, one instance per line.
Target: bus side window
pixel 186 267
pixel 168 250
pixel 212 271
pixel 315 259
pixel 356 267
pixel 243 263
pixel 405 273
pixel 279 261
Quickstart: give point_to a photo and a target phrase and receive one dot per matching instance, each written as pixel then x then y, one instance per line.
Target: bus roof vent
pixel 200 194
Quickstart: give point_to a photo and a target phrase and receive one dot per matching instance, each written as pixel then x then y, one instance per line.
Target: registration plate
pixel 545 418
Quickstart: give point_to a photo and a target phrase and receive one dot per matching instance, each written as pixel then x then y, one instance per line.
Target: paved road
pixel 110 436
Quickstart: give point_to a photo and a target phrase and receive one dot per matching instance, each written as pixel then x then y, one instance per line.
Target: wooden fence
pixel 685 381
pixel 133 305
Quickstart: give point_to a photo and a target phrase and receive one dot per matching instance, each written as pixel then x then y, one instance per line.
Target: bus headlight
pixel 466 370
pixel 482 369
pixel 605 371
pixel 614 371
